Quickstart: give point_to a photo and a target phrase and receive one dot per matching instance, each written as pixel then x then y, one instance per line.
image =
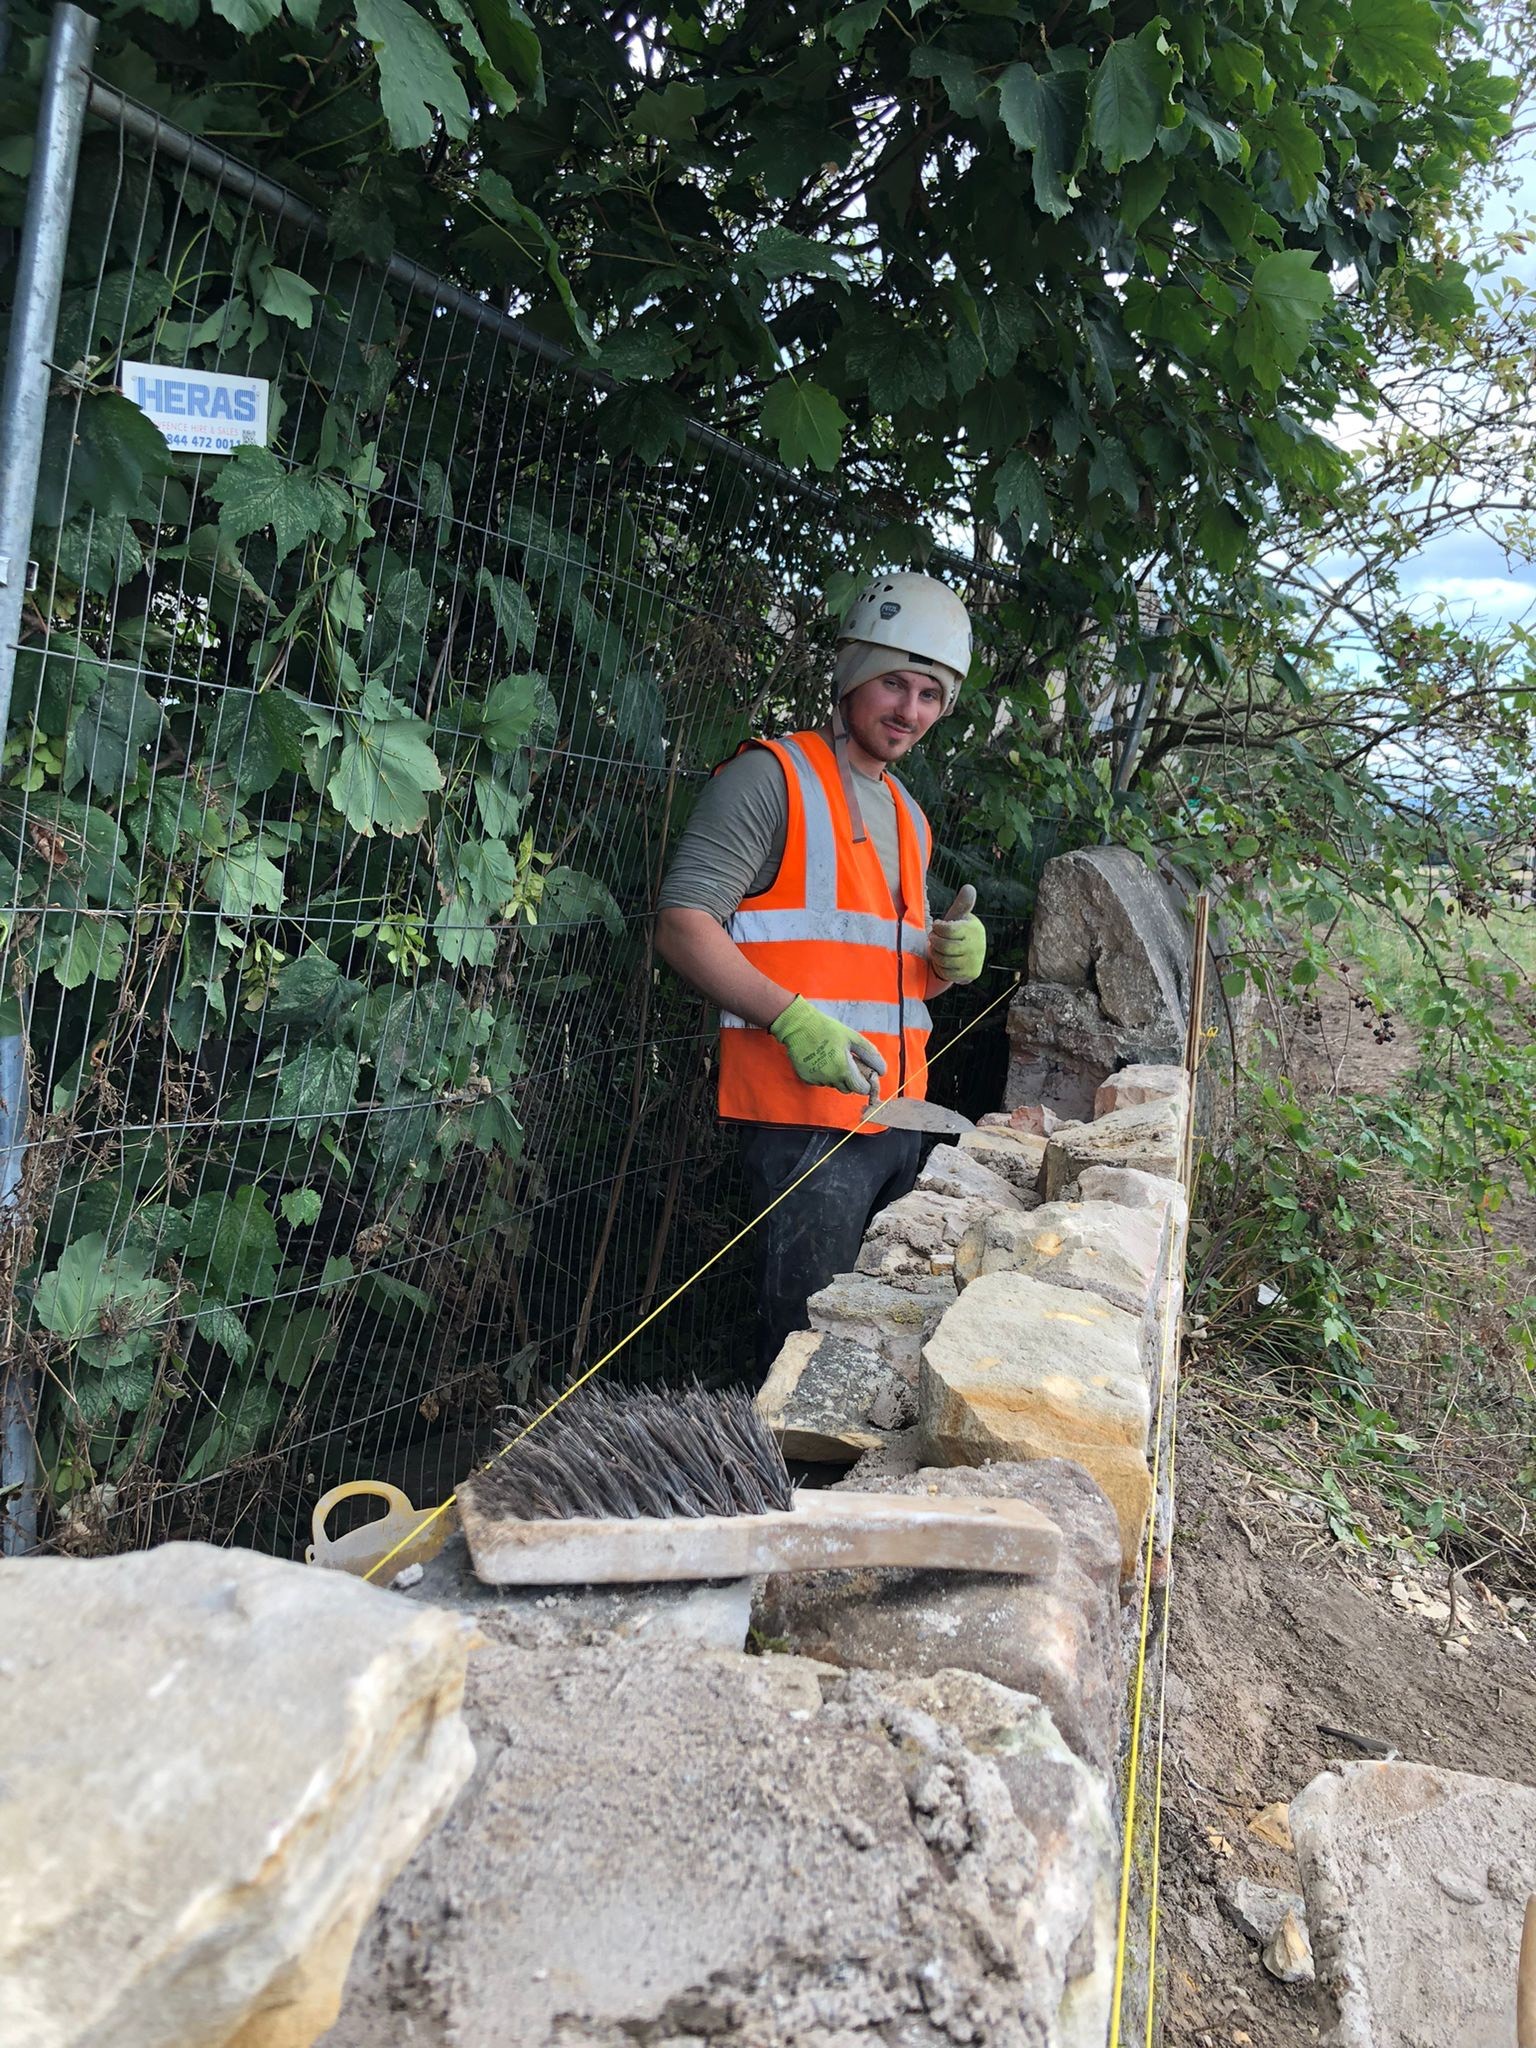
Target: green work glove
pixel 957 943
pixel 824 1053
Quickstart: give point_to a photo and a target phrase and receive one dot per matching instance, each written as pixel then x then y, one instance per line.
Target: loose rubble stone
pixel 1117 1253
pixel 215 1763
pixel 1015 1155
pixel 1019 1368
pixel 1148 1137
pixel 1132 1086
pixel 889 1320
pixel 1134 1190
pixel 828 1400
pixel 1057 1638
pixel 709 1615
pixel 1400 1959
pixel 663 1847
pixel 949 1171
pixel 917 1234
pixel 1288 1954
pixel 1256 1910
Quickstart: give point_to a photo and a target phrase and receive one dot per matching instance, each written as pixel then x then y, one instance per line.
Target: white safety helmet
pixel 904 620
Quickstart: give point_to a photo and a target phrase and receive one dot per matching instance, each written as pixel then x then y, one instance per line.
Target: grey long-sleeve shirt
pixel 734 840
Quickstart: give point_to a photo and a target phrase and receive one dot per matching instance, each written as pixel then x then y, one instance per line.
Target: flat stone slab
pixel 1100 1247
pixel 1148 1137
pixel 662 1846
pixel 708 1614
pixel 1019 1368
pixel 1057 1638
pixel 889 1320
pixel 828 1400
pixel 1416 1882
pixel 949 1171
pixel 215 1762
pixel 1134 1085
pixel 1017 1156
pixel 916 1235
pixel 1134 1189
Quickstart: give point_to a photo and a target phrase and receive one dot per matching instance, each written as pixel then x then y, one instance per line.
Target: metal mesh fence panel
pixel 341 775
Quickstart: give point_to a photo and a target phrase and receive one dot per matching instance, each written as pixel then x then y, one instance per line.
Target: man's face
pixel 889 714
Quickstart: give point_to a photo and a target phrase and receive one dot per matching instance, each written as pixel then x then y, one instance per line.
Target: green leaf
pixel 572 898
pixel 385 773
pixel 281 292
pixel 1129 95
pixel 1019 493
pixel 513 614
pixel 1439 295
pixel 245 1416
pixel 805 422
pixel 1297 148
pixel 305 989
pixel 232 1244
pixel 463 933
pixel 1287 297
pixel 848 26
pixel 253 489
pixel 104 741
pixel 899 365
pixel 496 86
pixel 91 948
pixel 108 1308
pixel 513 42
pixel 293 1342
pixel 248 17
pixel 316 1086
pixel 416 74
pixel 515 708
pixel 960 76
pixel 242 881
pixel 98 458
pixel 1044 113
pixel 524 228
pixel 779 252
pixel 1395 42
pixel 223 1327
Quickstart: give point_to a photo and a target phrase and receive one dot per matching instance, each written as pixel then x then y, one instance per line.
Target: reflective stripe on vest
pixel 827 928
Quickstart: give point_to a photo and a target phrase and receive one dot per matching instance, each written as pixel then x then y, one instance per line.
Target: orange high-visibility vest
pixel 827 929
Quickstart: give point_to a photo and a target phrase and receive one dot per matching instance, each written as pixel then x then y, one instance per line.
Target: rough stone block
pixel 1148 1138
pixel 1106 921
pixel 1101 1247
pixel 214 1764
pixel 1135 1190
pixel 1019 1368
pixel 708 1615
pixel 1061 1046
pixel 1416 1882
pixel 892 1321
pixel 949 1171
pixel 828 1400
pixel 659 1846
pixel 917 1234
pixel 1057 1638
pixel 1015 1155
pixel 1132 1086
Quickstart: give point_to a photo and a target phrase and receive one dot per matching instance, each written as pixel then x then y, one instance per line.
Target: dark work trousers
pixel 817 1230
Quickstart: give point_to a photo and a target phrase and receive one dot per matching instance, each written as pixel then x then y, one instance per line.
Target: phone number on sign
pixel 207 444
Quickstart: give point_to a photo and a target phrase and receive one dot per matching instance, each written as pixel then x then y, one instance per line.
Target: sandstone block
pixel 1148 1138
pixel 1058 1639
pixel 1106 921
pixel 1120 1254
pixel 1135 1190
pixel 215 1764
pixel 1015 1155
pixel 828 1400
pixel 1132 1086
pixel 888 1320
pixel 1020 1368
pixel 1416 1881
pixel 949 1171
pixel 917 1234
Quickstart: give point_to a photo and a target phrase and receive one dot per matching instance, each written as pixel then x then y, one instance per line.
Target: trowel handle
pixel 361 1549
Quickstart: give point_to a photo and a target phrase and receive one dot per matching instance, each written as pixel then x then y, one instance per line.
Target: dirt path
pixel 1277 1634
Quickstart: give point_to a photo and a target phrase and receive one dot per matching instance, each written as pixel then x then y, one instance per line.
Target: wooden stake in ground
pixel 1525 1982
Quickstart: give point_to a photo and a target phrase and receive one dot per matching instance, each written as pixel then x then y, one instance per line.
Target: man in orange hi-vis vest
pixel 798 902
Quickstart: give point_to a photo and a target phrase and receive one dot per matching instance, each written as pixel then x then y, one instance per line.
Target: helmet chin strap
pixel 840 737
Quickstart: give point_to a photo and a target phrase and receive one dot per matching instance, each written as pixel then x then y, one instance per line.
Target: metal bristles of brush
pixel 624 1456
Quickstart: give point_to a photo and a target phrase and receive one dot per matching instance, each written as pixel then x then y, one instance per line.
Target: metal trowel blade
pixel 901 1115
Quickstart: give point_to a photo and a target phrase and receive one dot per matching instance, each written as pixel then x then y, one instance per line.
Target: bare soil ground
pixel 1277 1636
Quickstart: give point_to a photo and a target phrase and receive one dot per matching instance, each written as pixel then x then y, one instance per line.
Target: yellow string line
pixel 1162 1728
pixel 661 1307
pixel 1138 1696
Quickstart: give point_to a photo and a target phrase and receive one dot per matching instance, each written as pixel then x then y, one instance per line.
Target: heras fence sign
pixel 198 411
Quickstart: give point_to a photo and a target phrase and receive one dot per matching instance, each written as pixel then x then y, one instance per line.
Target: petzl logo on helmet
pixel 889 611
